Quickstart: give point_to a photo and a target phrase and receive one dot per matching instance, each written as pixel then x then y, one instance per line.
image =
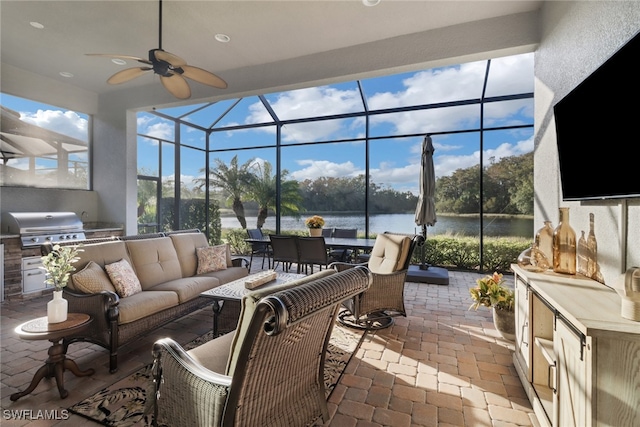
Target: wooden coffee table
pixel 234 291
pixel 57 362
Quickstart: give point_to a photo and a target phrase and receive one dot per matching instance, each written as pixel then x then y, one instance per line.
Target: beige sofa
pixel 166 267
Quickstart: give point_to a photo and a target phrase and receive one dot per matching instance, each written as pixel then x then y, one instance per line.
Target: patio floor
pixel 442 365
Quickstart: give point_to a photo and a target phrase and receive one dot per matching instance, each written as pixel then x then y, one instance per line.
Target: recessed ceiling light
pixel 119 61
pixel 66 74
pixel 370 2
pixel 37 25
pixel 222 38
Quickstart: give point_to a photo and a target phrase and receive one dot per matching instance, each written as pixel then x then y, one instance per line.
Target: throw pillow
pixel 123 277
pixel 211 258
pixel 92 279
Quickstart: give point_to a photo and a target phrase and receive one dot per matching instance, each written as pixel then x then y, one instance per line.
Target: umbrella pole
pixel 423 264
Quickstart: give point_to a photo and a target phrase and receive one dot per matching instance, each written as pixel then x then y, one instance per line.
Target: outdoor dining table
pixel 354 243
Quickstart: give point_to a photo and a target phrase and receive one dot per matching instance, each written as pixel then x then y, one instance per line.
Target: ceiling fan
pixel 171 68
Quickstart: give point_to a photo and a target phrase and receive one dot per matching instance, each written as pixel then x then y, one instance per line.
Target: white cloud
pixel 64 122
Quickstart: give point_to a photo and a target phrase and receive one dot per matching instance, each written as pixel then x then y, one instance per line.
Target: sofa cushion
pixel 145 304
pixel 227 275
pixel 188 288
pixel 389 253
pixel 91 279
pixel 248 307
pixel 102 254
pixel 211 258
pixel 185 245
pixel 154 260
pixel 123 277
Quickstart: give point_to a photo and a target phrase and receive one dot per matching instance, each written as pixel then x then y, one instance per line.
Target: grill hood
pixel 36 228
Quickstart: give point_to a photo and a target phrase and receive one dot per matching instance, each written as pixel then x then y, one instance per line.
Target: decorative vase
pixel 592 250
pixel 564 245
pixel 505 323
pixel 57 308
pixel 315 232
pixel 544 240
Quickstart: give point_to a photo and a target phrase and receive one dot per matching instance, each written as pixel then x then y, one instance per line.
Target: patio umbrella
pixel 426 208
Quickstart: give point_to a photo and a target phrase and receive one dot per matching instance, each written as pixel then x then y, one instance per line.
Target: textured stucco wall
pixel 576 38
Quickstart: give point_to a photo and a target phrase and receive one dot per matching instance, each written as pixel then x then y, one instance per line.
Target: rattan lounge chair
pixel 270 371
pixel 389 263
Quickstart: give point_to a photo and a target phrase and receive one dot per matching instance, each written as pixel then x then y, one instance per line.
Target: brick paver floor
pixel 442 365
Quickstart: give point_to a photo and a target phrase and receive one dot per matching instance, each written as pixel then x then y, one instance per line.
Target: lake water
pixel 404 223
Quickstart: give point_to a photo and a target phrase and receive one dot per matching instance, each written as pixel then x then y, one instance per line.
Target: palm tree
pixel 262 190
pixel 233 180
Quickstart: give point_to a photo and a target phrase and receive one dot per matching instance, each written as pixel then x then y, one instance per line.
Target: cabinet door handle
pixel 551 377
pixel 35 274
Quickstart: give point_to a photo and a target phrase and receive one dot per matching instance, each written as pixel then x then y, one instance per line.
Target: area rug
pixel 123 403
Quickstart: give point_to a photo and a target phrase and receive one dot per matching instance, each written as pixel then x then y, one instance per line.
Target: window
pixel 43 146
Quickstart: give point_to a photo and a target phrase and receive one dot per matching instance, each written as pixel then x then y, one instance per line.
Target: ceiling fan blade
pixel 203 76
pixel 172 59
pixel 176 85
pixel 128 74
pixel 109 55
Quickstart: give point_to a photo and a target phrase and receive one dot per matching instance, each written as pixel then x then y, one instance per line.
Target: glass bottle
pixel 564 245
pixel 583 255
pixel 592 250
pixel 544 240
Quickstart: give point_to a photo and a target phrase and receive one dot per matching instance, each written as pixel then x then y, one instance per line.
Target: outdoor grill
pixel 37 228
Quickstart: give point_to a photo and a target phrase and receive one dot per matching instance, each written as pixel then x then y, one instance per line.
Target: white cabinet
pixel 577 357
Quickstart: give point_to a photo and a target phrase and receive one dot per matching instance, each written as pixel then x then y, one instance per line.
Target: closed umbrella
pixel 426 208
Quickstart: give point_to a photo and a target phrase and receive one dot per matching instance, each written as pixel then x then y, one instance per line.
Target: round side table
pixel 57 362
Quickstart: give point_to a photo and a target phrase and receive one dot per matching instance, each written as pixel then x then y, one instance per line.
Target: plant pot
pixel 57 308
pixel 505 323
pixel 315 232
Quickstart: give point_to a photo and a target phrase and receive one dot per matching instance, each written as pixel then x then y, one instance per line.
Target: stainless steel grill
pixel 36 228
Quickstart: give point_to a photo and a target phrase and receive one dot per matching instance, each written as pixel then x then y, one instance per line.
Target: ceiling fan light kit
pixel 171 68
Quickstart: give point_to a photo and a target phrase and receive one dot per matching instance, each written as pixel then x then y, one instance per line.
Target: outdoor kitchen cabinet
pixel 577 357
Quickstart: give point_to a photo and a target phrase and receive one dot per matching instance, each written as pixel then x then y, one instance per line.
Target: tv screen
pixel 598 130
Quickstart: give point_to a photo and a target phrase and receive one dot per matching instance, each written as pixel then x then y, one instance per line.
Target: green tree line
pixel 507 189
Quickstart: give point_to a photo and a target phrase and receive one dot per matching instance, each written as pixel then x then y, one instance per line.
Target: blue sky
pixel 394 162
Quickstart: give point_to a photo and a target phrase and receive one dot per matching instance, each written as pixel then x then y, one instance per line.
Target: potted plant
pixel 58 265
pixel 314 224
pixel 490 292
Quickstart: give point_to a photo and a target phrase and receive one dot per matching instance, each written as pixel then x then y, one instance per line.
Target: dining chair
pixel 327 232
pixel 285 250
pixel 312 251
pixel 343 255
pixel 261 248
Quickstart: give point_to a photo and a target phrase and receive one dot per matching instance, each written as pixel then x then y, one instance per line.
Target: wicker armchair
pixel 279 353
pixel 389 264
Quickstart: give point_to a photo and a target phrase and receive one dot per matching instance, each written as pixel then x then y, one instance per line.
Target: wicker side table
pixel 57 362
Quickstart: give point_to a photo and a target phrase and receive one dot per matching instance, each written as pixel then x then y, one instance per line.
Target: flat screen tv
pixel 598 130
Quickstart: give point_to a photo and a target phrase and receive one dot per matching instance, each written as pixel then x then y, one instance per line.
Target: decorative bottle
pixel 564 245
pixel 544 241
pixel 583 255
pixel 592 250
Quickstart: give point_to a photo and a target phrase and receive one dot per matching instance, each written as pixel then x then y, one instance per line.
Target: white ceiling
pixel 274 44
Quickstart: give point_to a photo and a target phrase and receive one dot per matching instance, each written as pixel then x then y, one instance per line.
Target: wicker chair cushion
pixel 91 279
pixel 214 354
pixel 249 303
pixel 155 260
pixel 123 277
pixel 211 258
pixel 389 253
pixel 186 245
pixel 144 304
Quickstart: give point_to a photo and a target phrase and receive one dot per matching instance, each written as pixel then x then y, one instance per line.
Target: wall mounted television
pixel 598 131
